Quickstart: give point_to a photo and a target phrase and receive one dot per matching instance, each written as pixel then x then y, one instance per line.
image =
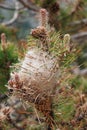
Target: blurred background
pixel 17 17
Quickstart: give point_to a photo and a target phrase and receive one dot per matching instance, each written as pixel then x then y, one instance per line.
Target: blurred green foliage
pixel 8 57
pixel 10 32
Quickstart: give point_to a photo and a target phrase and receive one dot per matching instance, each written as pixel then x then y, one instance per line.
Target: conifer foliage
pixel 8 56
pixel 44 80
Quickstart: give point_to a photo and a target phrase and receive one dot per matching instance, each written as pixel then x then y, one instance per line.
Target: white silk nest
pixel 39 69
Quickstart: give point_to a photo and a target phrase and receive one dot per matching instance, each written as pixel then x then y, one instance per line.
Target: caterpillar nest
pixel 38 75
